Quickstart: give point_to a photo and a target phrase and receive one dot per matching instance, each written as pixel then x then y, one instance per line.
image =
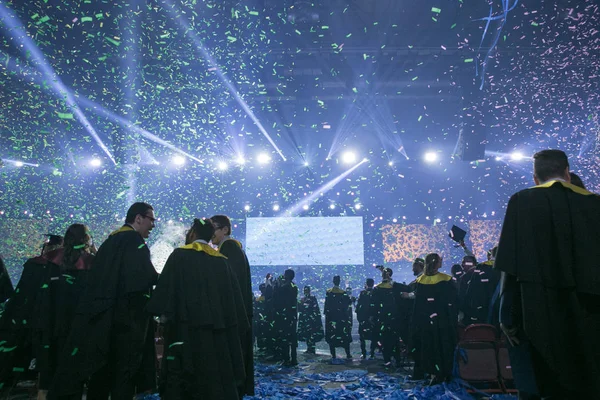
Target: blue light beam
pixel 189 30
pixel 15 30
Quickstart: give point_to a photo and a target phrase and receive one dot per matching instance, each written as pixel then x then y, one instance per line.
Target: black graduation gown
pixel 55 309
pixel 434 324
pixel 310 323
pixel 479 286
pixel 549 246
pixel 338 319
pixel 111 327
pixel 363 312
pixel 16 350
pixel 200 301
pixel 285 302
pixel 6 287
pixel 237 260
pixel 260 322
pixel 385 310
pixel 269 316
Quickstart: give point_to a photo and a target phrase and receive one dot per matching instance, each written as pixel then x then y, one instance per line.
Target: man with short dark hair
pixel 112 336
pixel 386 316
pixel 549 258
pixel 365 325
pixel 285 302
pixel 338 324
pixel 237 260
pixel 199 301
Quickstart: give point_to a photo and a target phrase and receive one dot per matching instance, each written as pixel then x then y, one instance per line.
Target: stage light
pixel 357 206
pixel 306 163
pixel 391 163
pixel 332 206
pixel 431 156
pixel 516 156
pixel 498 158
pixel 240 160
pixel 246 207
pixel 19 163
pixel 348 157
pixel 178 160
pixel 222 165
pixel 305 207
pixel 95 162
pixel 276 207
pixel 263 158
pixel 394 220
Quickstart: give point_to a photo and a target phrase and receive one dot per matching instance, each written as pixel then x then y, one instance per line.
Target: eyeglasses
pixel 153 220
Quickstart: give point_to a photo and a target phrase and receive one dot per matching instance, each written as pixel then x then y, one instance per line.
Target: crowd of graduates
pixel 418 321
pixel 83 320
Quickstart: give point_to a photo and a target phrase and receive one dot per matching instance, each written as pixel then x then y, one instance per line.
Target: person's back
pixel 338 322
pixel 549 255
pixel 200 304
pixel 553 250
pixel 112 338
pixel 59 297
pixel 434 321
pixel 481 283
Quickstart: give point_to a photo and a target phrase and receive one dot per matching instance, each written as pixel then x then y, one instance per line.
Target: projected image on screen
pixel 305 241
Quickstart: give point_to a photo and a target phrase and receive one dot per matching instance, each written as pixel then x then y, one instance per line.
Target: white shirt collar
pixel 200 241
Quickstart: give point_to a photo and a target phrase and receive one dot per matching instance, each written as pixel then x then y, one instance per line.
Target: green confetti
pixel 468 60
pixel 110 40
pixel 86 19
pixel 141 245
pixel 534 24
pixel 175 344
pixel 42 20
pixel 64 115
pixel 436 10
pixel 75 350
pixel 81 246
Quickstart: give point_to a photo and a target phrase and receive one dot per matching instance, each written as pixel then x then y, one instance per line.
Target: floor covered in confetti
pixel 317 377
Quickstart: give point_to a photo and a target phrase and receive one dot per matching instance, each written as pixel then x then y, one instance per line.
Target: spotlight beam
pixel 29 74
pixel 295 209
pixel 190 31
pixel 140 131
pixel 18 34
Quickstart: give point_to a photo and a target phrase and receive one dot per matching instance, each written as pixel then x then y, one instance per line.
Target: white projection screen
pixel 305 241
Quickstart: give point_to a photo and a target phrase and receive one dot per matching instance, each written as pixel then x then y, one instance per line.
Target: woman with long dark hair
pixel 434 321
pixel 67 268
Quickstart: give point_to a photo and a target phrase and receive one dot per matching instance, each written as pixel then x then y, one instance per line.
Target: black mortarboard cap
pixel 457 234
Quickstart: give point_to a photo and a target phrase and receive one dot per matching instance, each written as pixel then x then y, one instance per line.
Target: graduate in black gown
pixel 480 284
pixel 58 298
pixel 6 287
pixel 237 260
pixel 267 288
pixel 199 301
pixel 549 254
pixel 365 322
pixel 310 323
pixel 386 317
pixel 338 321
pixel 112 335
pixel 17 317
pixel 285 301
pixel 260 321
pixel 434 321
